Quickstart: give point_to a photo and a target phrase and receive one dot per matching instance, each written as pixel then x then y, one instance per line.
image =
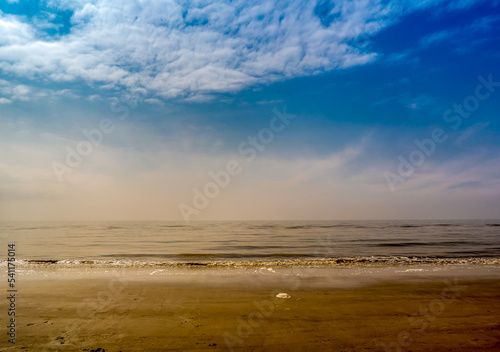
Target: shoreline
pixel 220 263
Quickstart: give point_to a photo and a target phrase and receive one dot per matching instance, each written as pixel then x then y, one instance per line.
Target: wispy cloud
pixel 409 101
pixel 13 92
pixel 483 24
pixel 58 79
pixel 185 49
pixel 470 132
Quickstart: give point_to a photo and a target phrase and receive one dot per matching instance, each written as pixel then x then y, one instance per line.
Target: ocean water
pixel 253 242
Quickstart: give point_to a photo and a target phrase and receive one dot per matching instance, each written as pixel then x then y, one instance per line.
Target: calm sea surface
pixel 252 241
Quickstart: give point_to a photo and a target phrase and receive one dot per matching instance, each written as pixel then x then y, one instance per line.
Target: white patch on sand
pixel 283 295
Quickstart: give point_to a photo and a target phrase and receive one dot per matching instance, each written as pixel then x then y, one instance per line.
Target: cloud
pixel 407 100
pixel 418 102
pixel 93 98
pixel 187 49
pixel 157 178
pixel 477 167
pixel 16 92
pixel 439 36
pixel 461 34
pixel 158 173
pixel 466 185
pixel 66 93
pixel 470 132
pixel 24 93
pixel 153 101
pixel 14 32
pixel 463 4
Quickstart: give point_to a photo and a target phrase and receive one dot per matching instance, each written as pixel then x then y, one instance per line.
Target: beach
pixel 403 308
pixel 249 176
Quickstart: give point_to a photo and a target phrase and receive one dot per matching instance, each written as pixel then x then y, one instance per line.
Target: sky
pixel 260 110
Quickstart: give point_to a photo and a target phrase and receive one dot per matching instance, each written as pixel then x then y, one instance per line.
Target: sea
pixel 240 243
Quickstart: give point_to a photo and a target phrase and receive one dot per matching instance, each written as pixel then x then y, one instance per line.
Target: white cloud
pixel 14 32
pixel 153 101
pixel 21 92
pixel 176 49
pixel 65 93
pixel 93 98
pixel 16 92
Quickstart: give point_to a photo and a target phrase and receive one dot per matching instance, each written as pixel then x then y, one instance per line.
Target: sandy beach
pixel 233 312
pixel 250 176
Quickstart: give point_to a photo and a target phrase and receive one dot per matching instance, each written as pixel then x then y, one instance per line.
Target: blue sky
pixel 180 85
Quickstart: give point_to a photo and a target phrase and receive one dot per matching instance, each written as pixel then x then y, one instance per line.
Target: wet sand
pixel 220 314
